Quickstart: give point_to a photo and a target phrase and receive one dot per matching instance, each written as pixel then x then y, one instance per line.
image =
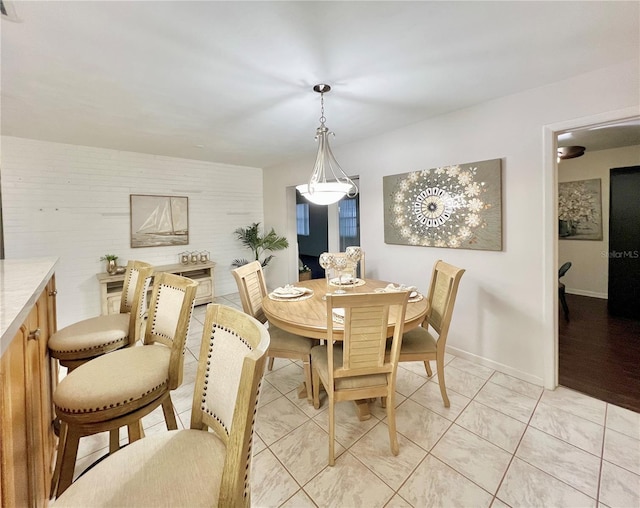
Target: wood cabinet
pixel 202 273
pixel 27 379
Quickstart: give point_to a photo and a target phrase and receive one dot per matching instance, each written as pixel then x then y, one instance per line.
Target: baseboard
pixel 505 369
pixel 592 294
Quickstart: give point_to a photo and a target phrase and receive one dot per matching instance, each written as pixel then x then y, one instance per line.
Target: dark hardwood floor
pixel 599 353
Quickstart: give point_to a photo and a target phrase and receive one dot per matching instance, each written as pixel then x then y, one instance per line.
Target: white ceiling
pixel 231 81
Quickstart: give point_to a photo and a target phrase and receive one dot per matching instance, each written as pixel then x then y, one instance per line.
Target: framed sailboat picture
pixel 159 220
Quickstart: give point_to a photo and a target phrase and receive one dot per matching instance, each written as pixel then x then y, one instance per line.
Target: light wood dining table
pixel 308 316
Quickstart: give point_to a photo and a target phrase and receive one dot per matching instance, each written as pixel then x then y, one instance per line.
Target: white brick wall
pixel 73 202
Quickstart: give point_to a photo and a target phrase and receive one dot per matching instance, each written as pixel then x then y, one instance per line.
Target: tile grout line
pixel 515 450
pixel 602 449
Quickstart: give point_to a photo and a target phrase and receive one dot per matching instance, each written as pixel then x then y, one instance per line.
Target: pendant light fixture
pixel 319 190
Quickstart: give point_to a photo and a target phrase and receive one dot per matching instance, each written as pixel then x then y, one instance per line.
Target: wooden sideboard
pixel 111 285
pixel 27 380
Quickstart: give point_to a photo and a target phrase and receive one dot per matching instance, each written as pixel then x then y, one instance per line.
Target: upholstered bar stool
pixel 118 389
pixel 196 466
pixel 78 343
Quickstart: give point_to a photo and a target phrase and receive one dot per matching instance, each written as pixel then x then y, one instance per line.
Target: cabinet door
pixel 113 304
pixel 27 444
pixel 204 290
pixel 35 444
pixel 39 408
pixel 13 446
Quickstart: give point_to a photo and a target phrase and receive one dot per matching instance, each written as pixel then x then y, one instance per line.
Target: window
pixel 348 222
pixel 302 218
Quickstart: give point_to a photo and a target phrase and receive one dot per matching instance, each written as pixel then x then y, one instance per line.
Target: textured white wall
pixel 588 275
pixel 73 202
pixel 501 316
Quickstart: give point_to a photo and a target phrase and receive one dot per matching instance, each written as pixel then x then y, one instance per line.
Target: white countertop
pixel 21 283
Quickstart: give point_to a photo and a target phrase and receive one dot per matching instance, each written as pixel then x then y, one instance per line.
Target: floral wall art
pixel 580 210
pixel 458 206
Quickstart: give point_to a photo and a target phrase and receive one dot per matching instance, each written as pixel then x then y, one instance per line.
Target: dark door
pixel 313 234
pixel 624 242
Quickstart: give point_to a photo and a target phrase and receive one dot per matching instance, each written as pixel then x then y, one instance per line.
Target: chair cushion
pixel 319 360
pixel 90 337
pixel 418 341
pixel 113 384
pixel 174 468
pixel 285 341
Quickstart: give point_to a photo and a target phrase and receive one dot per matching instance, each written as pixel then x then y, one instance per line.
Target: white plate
pixel 413 294
pixel 289 294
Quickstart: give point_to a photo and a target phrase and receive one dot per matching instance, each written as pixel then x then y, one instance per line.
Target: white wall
pixel 588 275
pixel 73 202
pixel 500 316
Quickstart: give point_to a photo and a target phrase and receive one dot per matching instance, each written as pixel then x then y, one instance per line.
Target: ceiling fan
pixel 570 152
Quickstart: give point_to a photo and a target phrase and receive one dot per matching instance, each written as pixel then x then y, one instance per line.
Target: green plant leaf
pixel 250 238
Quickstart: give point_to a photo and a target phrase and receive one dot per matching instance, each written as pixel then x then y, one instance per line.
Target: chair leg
pixel 169 415
pixel 55 478
pixel 316 388
pixel 427 367
pixel 114 440
pixel 68 459
pixel 135 431
pixel 391 423
pixel 332 430
pixel 443 388
pixel 307 379
pixel 270 367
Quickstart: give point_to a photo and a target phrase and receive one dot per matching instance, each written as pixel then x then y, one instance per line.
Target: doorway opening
pixel 597 349
pixel 322 228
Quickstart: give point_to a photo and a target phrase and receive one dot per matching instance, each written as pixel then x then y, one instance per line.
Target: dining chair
pixel 562 289
pixel 253 288
pixel 193 467
pixel 419 344
pixel 80 342
pixel 356 268
pixel 357 368
pixel 118 389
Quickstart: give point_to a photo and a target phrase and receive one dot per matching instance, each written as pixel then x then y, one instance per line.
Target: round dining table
pixel 307 315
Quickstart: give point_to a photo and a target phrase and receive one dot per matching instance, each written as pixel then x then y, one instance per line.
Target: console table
pixel 111 285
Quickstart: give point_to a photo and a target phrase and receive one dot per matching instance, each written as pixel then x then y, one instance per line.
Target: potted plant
pixel 251 238
pixel 111 263
pixel 304 272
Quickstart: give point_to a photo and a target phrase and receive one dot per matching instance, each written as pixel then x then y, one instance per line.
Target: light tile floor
pixel 503 442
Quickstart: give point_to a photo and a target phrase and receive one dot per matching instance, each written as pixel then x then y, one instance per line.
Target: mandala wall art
pixel 452 206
